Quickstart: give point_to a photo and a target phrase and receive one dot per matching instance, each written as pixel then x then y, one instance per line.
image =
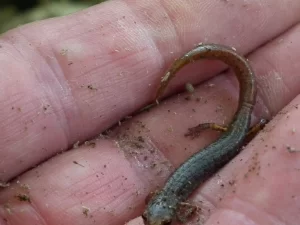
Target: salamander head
pixel 158 214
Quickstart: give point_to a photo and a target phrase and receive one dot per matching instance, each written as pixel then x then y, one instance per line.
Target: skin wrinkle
pixel 45 94
pixel 60 108
pixel 261 88
pixel 25 59
pixel 179 43
pixel 154 46
pixel 262 95
pixel 151 30
pixel 61 117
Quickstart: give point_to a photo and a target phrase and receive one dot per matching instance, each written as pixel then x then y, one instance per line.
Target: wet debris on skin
pixel 141 139
pixel 91 87
pixel 140 127
pixel 25 187
pixel 138 149
pixel 153 165
pixel 91 144
pixel 105 134
pixel 254 167
pixel 232 184
pixel 187 211
pixel 292 149
pixel 23 198
pixel 85 210
pixel 135 142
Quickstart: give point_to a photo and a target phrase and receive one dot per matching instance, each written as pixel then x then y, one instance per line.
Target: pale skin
pixel 71 78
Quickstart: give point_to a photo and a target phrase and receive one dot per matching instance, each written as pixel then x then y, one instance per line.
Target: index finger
pixel 67 79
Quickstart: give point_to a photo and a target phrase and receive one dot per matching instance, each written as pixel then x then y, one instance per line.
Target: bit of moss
pixel 11 17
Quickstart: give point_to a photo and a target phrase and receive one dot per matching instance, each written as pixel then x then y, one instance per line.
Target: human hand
pixel 69 79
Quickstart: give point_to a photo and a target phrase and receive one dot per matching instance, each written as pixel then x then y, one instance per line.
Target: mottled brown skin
pixel 162 208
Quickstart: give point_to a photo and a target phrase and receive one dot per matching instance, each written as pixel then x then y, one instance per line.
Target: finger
pixel 118 173
pixel 94 184
pixel 68 79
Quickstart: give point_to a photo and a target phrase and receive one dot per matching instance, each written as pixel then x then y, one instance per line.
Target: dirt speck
pixel 91 87
pixel 45 107
pixel 23 198
pixel 91 144
pixel 85 210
